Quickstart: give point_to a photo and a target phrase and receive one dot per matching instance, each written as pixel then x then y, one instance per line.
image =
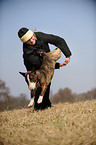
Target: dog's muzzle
pixel 32 86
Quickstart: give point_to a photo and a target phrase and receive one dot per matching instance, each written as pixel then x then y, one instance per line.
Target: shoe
pixel 31 103
pixel 40 99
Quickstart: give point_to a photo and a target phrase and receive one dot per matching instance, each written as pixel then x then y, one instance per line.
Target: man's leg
pixel 46 101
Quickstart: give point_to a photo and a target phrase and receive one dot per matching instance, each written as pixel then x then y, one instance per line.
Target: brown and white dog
pixel 43 76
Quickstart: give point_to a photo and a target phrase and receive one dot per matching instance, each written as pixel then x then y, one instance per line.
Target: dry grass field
pixel 63 124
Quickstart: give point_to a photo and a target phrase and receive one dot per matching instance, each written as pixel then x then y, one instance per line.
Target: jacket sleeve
pixel 57 41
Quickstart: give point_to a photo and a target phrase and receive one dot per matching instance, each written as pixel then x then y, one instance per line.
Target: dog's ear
pixel 23 74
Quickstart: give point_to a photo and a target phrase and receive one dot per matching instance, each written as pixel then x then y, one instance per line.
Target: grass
pixel 63 124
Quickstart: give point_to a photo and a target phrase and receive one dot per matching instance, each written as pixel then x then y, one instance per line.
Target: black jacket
pixel 32 59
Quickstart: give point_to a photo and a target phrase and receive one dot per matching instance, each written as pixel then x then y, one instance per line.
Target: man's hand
pixel 67 60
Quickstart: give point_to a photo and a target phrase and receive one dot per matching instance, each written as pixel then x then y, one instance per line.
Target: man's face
pixel 31 41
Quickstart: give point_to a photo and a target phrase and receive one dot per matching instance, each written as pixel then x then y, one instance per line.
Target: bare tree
pixel 4 92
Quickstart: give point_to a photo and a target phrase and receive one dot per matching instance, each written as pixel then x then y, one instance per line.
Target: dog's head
pixel 31 79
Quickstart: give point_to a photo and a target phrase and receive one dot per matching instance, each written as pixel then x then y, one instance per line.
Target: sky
pixel 73 20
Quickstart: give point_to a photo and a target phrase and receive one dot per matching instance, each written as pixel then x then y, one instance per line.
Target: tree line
pixel 66 95
pixel 9 102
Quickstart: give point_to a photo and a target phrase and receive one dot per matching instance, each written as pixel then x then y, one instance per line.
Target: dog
pixel 43 76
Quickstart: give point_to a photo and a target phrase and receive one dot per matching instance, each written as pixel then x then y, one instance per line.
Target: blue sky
pixel 73 20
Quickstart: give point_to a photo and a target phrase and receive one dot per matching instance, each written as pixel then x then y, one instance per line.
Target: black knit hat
pixel 22 31
pixel 24 34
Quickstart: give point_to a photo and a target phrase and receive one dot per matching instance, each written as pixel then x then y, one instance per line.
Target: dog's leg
pixel 32 99
pixel 40 99
pixel 31 102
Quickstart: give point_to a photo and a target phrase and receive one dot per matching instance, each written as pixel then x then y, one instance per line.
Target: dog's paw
pixel 31 102
pixel 40 99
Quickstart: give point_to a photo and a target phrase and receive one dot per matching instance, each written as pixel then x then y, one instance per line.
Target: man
pixel 38 41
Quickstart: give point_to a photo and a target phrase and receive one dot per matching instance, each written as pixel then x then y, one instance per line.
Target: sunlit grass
pixel 63 124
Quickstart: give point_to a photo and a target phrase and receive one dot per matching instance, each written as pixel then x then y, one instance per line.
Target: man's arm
pixel 57 41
